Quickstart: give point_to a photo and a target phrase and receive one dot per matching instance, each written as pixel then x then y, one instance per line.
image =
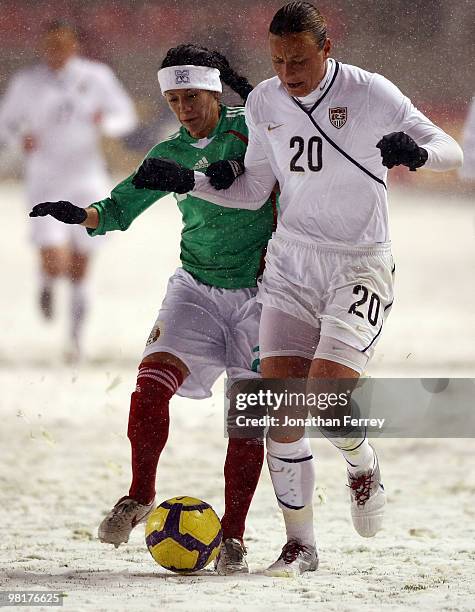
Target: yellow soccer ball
pixel 183 534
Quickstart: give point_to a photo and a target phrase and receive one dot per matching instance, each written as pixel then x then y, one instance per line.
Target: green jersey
pixel 223 247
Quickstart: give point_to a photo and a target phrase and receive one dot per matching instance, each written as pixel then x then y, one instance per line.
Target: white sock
pixel 292 472
pixel 357 452
pixel 78 308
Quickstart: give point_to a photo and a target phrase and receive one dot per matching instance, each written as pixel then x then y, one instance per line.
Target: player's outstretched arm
pixel 164 174
pixel 409 137
pixel 66 212
pixel 249 189
pixel 225 183
pixel 161 174
pixel 118 111
pixel 440 152
pixel 467 171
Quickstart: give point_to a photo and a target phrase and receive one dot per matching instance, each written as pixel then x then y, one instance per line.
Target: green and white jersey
pixel 223 247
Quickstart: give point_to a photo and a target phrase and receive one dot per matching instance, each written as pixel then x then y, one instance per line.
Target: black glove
pixel 63 211
pixel 164 175
pixel 399 148
pixel 224 172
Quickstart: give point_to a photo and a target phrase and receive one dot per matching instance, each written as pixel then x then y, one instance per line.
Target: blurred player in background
pixel 57 111
pixel 209 320
pixel 320 128
pixel 467 171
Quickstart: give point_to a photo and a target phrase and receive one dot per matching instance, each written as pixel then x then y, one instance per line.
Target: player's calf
pixel 148 425
pixel 46 303
pixel 148 433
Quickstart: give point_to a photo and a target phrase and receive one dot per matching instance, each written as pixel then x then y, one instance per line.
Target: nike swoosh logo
pixel 274 127
pixel 136 521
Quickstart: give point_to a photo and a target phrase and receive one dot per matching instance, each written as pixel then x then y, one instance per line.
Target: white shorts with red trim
pixel 212 330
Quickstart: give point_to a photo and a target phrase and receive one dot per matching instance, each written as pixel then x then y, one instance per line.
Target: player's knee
pixel 334 350
pixel 157 382
pixel 158 377
pixel 162 360
pixel 242 420
pixel 53 261
pixel 341 423
pixel 149 404
pixel 334 376
pixel 246 424
pixel 53 267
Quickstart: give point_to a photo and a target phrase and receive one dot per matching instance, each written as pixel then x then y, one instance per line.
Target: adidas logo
pixel 202 164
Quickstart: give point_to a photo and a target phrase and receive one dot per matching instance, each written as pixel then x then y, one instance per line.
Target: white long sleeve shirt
pixel 467 171
pixel 325 197
pixel 65 112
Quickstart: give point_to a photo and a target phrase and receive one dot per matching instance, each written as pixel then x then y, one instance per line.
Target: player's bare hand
pixel 62 211
pixel 398 148
pixel 224 172
pixel 164 175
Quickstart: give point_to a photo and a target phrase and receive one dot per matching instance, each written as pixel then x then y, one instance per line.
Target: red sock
pixel 242 469
pixel 148 424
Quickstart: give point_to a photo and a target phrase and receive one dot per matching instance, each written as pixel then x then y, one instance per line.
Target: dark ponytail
pixel 300 17
pixel 200 56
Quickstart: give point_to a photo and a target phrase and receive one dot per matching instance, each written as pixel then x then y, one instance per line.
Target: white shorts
pixel 210 329
pixel 46 232
pixel 340 292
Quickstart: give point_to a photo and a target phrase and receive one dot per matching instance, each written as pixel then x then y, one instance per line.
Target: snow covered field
pixel 64 455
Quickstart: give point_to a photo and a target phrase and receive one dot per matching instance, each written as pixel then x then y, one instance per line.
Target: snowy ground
pixel 64 455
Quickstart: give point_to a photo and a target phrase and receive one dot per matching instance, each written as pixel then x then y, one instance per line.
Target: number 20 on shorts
pixel 374 305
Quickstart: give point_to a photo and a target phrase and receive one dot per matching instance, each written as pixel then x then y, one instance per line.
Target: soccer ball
pixel 183 534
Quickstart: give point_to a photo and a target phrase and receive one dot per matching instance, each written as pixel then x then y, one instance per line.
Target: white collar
pixel 309 100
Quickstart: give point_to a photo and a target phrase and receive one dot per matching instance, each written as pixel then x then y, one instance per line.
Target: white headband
pixel 189 77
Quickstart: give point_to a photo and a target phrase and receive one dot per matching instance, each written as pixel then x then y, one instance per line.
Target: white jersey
pixel 65 112
pixel 467 171
pixel 332 182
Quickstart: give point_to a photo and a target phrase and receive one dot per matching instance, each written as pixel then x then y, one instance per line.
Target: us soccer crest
pixel 182 76
pixel 338 116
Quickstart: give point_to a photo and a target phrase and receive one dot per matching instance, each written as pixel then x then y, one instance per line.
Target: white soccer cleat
pixel 231 558
pixel 295 559
pixel 367 500
pixel 124 516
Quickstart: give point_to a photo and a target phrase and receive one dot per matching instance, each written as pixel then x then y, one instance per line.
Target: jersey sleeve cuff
pixel 99 230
